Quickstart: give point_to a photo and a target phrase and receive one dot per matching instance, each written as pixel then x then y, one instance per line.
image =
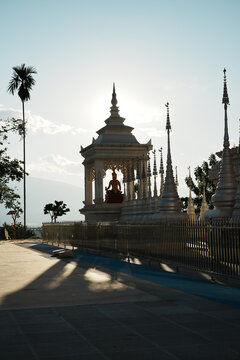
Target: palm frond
pixel 13 84
pixel 22 81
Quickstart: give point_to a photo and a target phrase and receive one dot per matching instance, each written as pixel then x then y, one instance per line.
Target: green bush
pixel 21 233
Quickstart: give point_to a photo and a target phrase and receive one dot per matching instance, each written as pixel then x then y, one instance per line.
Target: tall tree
pixel 22 81
pixel 10 169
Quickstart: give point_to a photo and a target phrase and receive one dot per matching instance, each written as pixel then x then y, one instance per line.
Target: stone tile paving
pixel 119 331
pixel 169 325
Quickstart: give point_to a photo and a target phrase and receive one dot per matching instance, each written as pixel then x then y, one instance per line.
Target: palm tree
pixel 22 81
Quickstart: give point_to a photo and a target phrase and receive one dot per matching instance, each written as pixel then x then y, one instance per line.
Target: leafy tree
pixel 201 174
pixel 10 169
pixel 59 208
pixel 22 81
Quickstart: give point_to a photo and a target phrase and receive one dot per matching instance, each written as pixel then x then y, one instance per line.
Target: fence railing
pixel 212 246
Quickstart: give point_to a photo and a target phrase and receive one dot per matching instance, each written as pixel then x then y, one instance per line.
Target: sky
pixel 155 51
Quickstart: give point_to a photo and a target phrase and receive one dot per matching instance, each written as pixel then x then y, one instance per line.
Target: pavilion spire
pixel 114 108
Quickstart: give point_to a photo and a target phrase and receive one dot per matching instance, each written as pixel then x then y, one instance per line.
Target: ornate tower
pixel 169 203
pixel 224 198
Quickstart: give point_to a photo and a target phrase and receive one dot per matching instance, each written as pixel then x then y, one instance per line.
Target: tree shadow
pixel 68 282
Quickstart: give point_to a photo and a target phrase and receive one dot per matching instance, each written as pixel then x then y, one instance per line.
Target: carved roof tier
pixel 110 151
pixel 115 138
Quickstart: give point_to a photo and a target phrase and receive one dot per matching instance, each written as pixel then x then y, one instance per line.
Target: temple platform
pixel 102 212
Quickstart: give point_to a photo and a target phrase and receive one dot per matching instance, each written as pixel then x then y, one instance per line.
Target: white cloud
pixel 56 164
pixel 36 123
pixel 153 132
pixel 79 130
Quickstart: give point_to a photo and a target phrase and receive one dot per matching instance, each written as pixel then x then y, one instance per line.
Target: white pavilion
pixel 115 148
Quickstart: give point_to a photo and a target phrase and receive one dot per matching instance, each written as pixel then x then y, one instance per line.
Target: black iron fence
pixel 212 246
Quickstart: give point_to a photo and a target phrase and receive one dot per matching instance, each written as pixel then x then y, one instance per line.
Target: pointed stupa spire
pixel 155 174
pixel 169 203
pixel 168 128
pixel 168 124
pixel 149 174
pixel 154 163
pixel 224 197
pixel 161 171
pixel 114 108
pixel 225 101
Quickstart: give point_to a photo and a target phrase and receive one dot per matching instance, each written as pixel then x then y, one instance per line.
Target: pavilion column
pixel 88 184
pixel 98 167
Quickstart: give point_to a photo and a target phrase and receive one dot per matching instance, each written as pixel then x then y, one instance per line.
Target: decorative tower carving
pixel 155 174
pixel 223 199
pixel 161 172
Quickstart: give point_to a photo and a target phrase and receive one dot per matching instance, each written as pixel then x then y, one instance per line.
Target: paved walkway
pixel 92 308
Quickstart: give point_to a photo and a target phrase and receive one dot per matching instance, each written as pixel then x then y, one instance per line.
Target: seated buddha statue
pixel 114 184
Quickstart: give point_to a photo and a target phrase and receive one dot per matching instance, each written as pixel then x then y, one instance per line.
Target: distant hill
pixel 40 192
